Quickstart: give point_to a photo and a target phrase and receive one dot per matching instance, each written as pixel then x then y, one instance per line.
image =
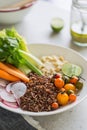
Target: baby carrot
pixel 13 72
pixel 14 68
pixel 7 76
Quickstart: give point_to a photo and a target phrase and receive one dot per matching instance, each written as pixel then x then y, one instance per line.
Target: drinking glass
pixel 78 25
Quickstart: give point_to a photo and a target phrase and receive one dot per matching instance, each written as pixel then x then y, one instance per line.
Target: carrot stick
pixel 7 76
pixel 13 72
pixel 14 68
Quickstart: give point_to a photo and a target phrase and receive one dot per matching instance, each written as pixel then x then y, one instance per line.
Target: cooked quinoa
pixel 41 93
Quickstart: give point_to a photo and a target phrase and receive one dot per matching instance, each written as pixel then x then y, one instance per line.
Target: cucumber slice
pixel 71 69
pixel 57 24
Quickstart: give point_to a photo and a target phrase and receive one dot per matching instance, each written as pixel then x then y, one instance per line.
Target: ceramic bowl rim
pixel 27 5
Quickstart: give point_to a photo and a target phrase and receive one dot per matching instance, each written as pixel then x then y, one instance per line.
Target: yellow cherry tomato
pixel 62 98
pixel 70 86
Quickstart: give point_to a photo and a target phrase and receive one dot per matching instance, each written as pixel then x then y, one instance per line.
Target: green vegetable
pixel 66 79
pixel 14 34
pixel 79 85
pixel 70 92
pixel 71 69
pixel 57 24
pixel 13 50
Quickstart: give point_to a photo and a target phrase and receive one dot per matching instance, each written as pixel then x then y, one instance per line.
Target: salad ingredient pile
pixel 32 84
pixel 13 50
pixel 10 93
pixel 49 93
pixel 11 73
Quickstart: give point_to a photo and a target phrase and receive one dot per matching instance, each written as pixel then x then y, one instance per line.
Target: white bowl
pixel 70 55
pixel 13 15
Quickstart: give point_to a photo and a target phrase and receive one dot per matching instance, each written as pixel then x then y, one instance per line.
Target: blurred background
pixel 66 4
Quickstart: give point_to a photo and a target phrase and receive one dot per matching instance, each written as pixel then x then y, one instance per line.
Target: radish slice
pixel 3 82
pixel 8 87
pixel 1 89
pixel 7 96
pixel 18 89
pixel 18 101
pixel 0 99
pixel 10 104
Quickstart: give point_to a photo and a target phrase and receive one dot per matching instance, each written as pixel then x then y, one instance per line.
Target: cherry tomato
pixel 73 80
pixel 55 105
pixel 59 83
pixel 58 75
pixel 62 98
pixel 70 86
pixel 72 97
pixel 79 85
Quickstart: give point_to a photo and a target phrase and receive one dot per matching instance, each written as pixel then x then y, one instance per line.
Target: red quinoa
pixel 40 95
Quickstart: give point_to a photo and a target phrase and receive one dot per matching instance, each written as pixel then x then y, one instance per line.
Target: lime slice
pixel 71 69
pixel 57 24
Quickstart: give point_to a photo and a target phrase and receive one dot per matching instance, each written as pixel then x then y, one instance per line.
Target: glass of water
pixel 78 27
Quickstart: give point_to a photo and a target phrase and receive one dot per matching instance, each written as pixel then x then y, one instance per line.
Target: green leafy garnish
pixel 13 50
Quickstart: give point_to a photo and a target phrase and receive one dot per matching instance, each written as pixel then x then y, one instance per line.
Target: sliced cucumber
pixel 71 69
pixel 57 24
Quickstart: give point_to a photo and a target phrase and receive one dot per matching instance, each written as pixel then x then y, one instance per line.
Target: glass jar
pixel 78 27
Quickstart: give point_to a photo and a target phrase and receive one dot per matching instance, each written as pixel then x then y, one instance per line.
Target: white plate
pixel 70 55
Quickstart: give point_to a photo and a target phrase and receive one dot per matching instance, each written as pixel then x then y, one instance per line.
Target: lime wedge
pixel 71 69
pixel 57 24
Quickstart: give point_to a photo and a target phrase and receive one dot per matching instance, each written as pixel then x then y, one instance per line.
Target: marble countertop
pixel 36 29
